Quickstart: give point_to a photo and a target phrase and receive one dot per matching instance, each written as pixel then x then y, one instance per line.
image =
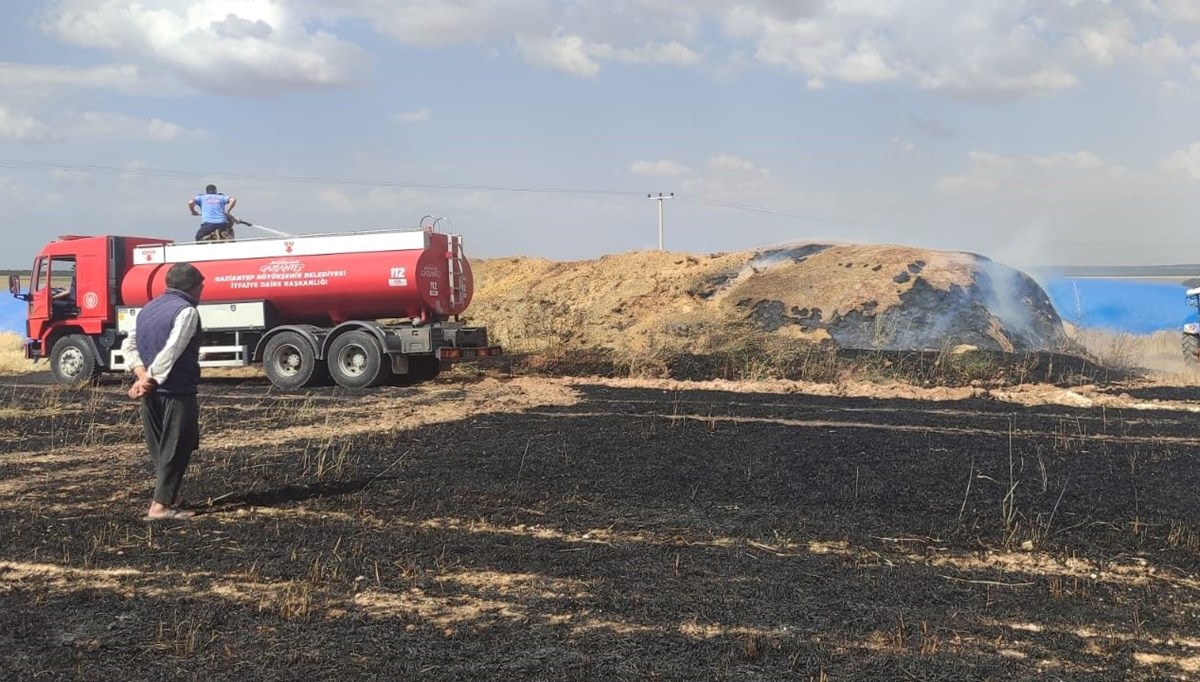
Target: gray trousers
pixel 171 423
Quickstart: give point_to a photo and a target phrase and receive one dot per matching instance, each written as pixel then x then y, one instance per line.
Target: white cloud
pixel 662 167
pixel 40 78
pixel 94 124
pixel 337 200
pixel 730 178
pixel 730 166
pixel 436 23
pixel 1077 161
pixel 979 48
pixel 414 116
pixel 1161 52
pixel 1182 11
pixel 990 160
pixel 976 49
pixel 1030 175
pixel 673 53
pixel 91 125
pixel 22 128
pixel 808 48
pixel 576 55
pixel 1185 161
pixel 245 47
pixel 569 53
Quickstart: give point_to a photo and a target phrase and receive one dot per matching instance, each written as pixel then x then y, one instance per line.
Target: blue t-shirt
pixel 212 207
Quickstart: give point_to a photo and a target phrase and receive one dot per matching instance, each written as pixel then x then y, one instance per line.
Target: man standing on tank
pixel 163 351
pixel 214 210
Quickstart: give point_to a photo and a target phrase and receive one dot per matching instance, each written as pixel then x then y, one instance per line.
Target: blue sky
pixel 1032 132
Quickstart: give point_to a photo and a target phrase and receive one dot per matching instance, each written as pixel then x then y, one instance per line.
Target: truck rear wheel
pixel 290 362
pixel 356 360
pixel 73 360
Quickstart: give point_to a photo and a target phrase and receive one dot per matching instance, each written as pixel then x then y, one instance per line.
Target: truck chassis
pixel 355 354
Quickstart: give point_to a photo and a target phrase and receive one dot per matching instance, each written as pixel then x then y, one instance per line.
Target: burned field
pixel 542 529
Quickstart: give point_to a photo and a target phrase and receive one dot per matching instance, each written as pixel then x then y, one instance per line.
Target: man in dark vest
pixel 163 351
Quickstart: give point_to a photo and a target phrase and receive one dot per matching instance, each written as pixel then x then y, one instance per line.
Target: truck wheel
pixel 73 361
pixel 291 362
pixel 1191 344
pixel 356 360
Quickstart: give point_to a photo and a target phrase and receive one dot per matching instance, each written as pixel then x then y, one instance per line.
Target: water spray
pixel 277 233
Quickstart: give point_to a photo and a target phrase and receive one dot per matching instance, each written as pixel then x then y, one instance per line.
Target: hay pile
pixel 639 304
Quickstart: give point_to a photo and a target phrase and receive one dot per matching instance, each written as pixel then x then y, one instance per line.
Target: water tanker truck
pixel 360 309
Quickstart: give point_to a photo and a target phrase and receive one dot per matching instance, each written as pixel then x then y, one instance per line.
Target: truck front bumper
pixel 33 349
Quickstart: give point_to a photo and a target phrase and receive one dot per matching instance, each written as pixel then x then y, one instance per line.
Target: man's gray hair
pixel 184 277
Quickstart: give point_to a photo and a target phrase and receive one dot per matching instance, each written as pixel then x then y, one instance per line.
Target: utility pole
pixel 660 199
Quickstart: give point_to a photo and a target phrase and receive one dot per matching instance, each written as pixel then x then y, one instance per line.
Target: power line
pixel 17 164
pixel 738 206
pixel 297 179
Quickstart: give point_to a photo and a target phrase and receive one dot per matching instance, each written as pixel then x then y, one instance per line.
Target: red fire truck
pixel 359 309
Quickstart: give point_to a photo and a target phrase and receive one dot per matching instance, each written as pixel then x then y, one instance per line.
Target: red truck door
pixel 39 298
pixel 52 293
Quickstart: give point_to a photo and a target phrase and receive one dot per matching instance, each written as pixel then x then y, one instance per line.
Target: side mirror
pixel 14 287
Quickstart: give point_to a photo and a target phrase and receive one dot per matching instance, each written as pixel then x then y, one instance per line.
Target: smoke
pixel 795 253
pixel 1016 300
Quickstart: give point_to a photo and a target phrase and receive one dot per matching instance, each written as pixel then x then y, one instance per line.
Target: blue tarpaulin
pixel 12 313
pixel 1135 307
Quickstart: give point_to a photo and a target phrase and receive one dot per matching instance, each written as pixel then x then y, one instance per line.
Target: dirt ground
pixel 495 528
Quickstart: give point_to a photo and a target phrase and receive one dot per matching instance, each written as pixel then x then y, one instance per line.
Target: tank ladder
pixel 458 283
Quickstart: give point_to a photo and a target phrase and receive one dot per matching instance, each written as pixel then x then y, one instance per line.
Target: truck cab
pixel 73 295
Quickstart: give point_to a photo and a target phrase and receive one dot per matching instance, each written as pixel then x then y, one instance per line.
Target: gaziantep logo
pixel 288 245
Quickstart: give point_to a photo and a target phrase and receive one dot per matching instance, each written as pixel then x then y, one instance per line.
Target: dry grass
pixel 1161 353
pixel 12 355
pixel 841 278
pixel 621 302
pixel 646 314
pixel 640 306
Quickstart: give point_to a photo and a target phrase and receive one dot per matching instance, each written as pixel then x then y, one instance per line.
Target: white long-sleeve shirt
pixel 182 330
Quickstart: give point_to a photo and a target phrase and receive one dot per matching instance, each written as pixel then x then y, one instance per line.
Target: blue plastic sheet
pixel 12 313
pixel 1123 305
